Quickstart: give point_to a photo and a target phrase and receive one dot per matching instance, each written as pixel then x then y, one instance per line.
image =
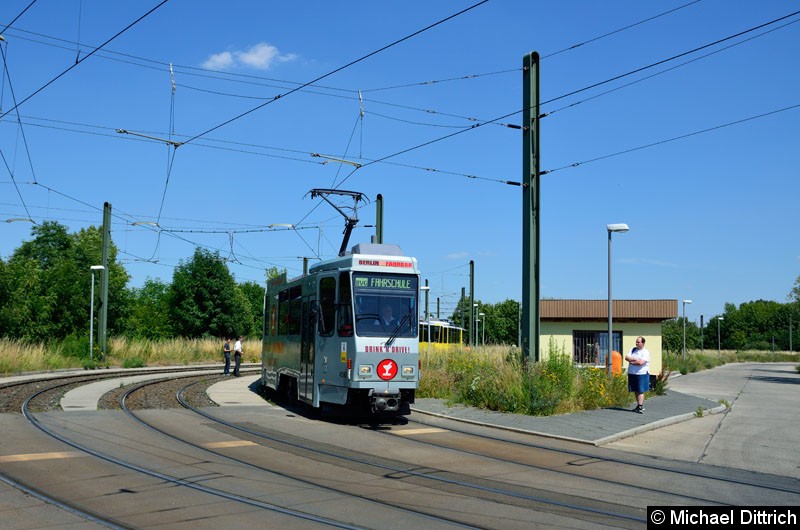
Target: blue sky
pixel 698 155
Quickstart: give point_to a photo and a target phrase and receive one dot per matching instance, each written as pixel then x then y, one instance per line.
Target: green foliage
pixel 149 316
pixel 253 294
pixel 76 346
pixel 203 298
pixel 46 284
pixel 549 383
pixel 134 362
pixel 595 390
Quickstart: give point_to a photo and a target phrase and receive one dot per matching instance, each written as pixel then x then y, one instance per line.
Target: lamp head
pixel 97 267
pixel 687 301
pixel 617 227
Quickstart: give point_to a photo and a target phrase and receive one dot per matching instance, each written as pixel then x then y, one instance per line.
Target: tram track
pixel 398 474
pixel 435 478
pixel 161 476
pixel 725 476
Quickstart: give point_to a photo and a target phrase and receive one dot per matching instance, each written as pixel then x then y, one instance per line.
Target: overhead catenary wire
pixel 578 91
pixel 336 70
pixel 59 76
pixel 17 17
pixel 661 142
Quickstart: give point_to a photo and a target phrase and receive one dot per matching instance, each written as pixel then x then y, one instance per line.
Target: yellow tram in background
pixel 440 336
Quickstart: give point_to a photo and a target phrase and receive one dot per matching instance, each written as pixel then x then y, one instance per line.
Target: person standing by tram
pixel 638 373
pixel 226 351
pixel 237 356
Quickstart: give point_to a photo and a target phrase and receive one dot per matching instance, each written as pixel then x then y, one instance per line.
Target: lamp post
pixel 719 349
pixel 483 328
pixel 91 311
pixel 684 327
pixel 621 228
pixel 474 330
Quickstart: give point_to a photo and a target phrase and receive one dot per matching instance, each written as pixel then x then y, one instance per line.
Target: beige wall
pixel 561 335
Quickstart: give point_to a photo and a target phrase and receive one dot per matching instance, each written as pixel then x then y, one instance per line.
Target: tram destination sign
pixel 384 282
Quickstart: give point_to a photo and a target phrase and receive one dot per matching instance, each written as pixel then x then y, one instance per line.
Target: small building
pixel 580 328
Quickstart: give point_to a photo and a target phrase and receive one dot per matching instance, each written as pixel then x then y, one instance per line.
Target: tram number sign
pixel 387 369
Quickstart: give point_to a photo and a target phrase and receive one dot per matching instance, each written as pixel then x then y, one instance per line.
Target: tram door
pixel 307 351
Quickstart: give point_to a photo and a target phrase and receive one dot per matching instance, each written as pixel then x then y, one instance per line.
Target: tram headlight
pixel 408 371
pixel 365 371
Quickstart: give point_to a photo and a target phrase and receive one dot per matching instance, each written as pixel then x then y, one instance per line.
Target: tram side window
pixel 283 312
pixel 345 323
pixel 327 306
pixel 295 314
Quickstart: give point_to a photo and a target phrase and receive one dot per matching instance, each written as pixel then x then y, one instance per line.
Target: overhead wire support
pixel 173 143
pixel 329 159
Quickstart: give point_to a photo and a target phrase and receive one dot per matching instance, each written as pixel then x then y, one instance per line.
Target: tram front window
pixel 386 305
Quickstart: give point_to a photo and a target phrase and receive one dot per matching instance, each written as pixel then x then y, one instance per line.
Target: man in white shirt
pixel 639 373
pixel 237 356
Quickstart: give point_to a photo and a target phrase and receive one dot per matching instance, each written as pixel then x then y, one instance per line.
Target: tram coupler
pixel 384 402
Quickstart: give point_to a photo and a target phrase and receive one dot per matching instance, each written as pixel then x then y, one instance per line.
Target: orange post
pixel 616 362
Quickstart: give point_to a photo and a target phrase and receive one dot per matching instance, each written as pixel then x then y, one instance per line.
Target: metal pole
pixel 684 330
pixel 719 348
pixel 91 319
pixel 702 346
pixel 91 311
pixel 684 326
pixel 610 328
pixel 531 218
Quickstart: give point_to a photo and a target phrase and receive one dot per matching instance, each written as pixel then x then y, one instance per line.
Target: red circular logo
pixel 387 369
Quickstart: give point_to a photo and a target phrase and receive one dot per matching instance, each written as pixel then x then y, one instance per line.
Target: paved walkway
pixel 596 427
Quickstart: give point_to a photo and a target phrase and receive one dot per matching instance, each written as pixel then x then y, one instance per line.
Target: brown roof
pixel 635 310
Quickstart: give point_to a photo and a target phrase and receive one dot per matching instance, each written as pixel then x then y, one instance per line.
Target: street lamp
pixel 474 332
pixel 483 332
pixel 684 327
pixel 621 228
pixel 719 350
pixel 91 310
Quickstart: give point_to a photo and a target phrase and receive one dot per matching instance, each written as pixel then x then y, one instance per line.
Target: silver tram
pixel 346 333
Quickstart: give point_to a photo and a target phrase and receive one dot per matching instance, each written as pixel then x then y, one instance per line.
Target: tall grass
pixel 19 356
pixel 495 378
pixel 704 360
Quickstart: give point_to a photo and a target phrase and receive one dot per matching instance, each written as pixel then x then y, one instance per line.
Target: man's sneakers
pixel 638 409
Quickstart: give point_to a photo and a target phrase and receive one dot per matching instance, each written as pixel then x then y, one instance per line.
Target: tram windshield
pixel 385 304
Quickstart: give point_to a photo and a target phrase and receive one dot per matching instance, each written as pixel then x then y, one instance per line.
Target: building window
pixel 591 347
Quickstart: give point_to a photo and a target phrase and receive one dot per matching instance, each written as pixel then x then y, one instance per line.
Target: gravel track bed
pixel 154 396
pixel 163 395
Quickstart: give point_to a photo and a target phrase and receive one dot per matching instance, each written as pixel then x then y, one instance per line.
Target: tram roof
pixel 371 256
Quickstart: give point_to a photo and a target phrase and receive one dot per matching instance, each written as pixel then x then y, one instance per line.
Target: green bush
pixel 549 383
pixel 133 362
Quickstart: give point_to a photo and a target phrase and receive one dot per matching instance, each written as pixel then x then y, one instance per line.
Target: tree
pixel 502 321
pixel 254 294
pixel 203 298
pixel 149 311
pixel 794 294
pixel 47 284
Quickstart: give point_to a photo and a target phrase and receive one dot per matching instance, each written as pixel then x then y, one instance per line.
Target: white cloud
pixel 261 56
pixel 219 61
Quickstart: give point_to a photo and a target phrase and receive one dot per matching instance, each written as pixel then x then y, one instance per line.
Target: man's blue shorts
pixel 638 383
